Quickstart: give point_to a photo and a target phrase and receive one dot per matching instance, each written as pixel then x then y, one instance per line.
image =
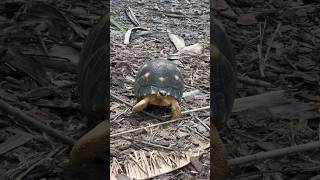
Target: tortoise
pixel 94 92
pixel 223 90
pixel 223 73
pixel 160 83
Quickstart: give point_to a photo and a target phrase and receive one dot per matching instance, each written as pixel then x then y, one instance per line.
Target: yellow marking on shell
pixel 144 66
pixel 146 75
pixel 176 77
pixel 162 79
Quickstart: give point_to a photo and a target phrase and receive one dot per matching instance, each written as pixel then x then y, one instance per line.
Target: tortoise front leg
pixel 141 105
pixel 92 144
pixel 218 155
pixel 175 109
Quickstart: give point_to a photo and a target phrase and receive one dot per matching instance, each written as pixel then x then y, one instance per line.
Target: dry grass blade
pixel 132 17
pixel 144 165
pixel 115 169
pixel 129 32
pixel 177 41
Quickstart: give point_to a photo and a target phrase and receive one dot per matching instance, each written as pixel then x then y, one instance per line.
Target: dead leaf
pixel 195 49
pixel 221 5
pixel 223 8
pixel 149 164
pixel 39 93
pixel 29 66
pixel 14 142
pixel 177 41
pixel 129 32
pixel 65 52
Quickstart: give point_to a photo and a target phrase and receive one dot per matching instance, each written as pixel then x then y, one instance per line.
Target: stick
pixel 141 128
pixel 22 117
pixel 265 100
pixel 272 39
pixel 255 82
pixel 259 47
pixel 273 153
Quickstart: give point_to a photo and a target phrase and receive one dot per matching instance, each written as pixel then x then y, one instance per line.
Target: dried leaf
pixel 39 93
pixel 177 41
pixel 13 142
pixel 132 17
pixel 28 65
pixel 195 49
pixel 144 165
pixel 128 34
pixel 65 52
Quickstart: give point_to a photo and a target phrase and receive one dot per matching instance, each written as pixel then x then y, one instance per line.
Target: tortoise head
pixel 162 93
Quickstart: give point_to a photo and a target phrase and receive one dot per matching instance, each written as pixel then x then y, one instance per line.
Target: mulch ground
pixel 189 21
pixel 276 46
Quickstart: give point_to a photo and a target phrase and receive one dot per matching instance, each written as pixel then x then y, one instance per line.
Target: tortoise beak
pixel 163 93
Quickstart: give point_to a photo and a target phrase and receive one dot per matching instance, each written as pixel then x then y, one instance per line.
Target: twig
pixel 24 173
pixel 131 16
pixel 203 136
pixel 195 110
pixel 272 39
pixel 142 128
pixel 203 124
pixel 247 136
pixel 191 93
pixel 24 118
pixel 150 144
pixel 273 153
pixel 269 47
pixel 259 47
pixel 255 82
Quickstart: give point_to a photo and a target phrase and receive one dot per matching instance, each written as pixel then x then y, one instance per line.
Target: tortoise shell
pixel 159 76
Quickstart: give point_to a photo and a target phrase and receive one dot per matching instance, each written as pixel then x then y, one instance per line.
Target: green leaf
pixel 116 24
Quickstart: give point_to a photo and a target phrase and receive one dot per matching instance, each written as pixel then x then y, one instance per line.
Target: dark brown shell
pixel 223 74
pixel 159 76
pixel 94 72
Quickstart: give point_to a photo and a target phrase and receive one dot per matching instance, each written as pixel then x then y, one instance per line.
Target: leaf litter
pixel 274 44
pixel 39 47
pixel 156 44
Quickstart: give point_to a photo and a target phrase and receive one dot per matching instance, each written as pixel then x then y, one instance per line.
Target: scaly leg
pixel 141 105
pixel 218 155
pixel 175 109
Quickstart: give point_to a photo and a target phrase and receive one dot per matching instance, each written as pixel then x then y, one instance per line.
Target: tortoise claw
pixel 175 109
pixel 141 105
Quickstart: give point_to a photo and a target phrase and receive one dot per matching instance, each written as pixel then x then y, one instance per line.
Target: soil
pixel 189 20
pixel 39 53
pixel 292 64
